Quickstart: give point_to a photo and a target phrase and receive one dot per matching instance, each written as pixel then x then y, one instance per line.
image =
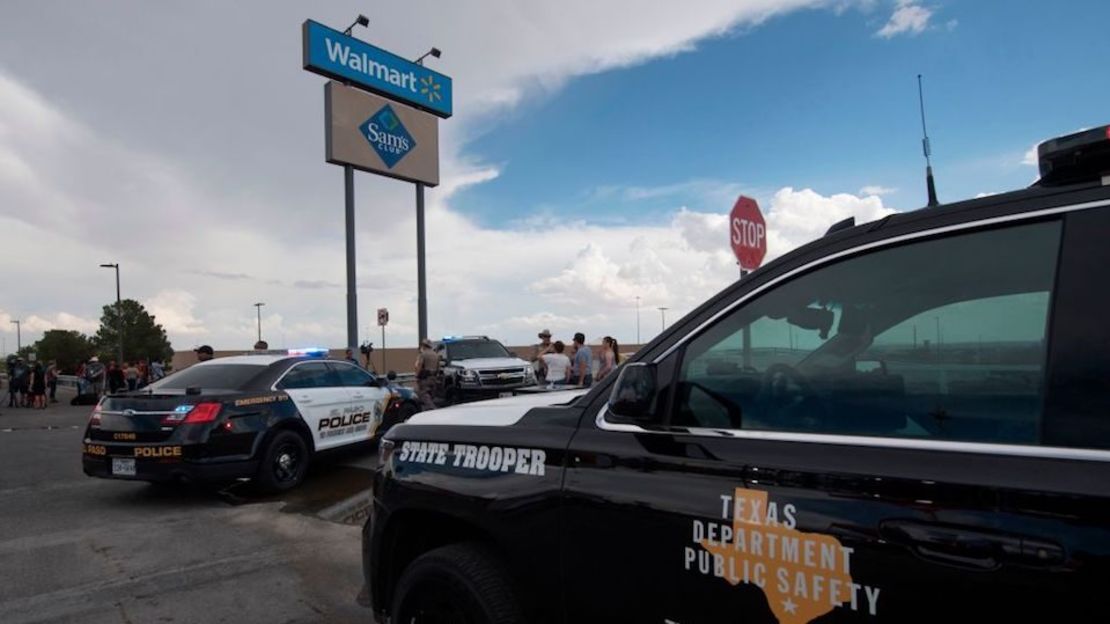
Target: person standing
pixel 204 353
pixel 583 361
pixel 538 351
pixel 427 370
pixel 557 365
pixel 19 378
pixel 116 378
pixel 36 386
pixel 157 370
pixel 52 380
pixel 349 355
pixel 96 375
pixel 131 375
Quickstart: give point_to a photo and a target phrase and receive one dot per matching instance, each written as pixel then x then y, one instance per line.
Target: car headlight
pixel 468 374
pixel 529 373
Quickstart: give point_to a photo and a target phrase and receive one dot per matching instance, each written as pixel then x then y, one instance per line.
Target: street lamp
pixel 663 318
pixel 637 320
pixel 361 20
pixel 436 52
pixel 258 308
pixel 119 310
pixel 18 337
pixel 421 270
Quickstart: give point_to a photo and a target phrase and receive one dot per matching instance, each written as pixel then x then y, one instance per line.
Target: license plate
pixel 123 466
pixel 502 395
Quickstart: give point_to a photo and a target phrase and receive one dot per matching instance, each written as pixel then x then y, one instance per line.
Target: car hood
pixel 495 412
pixel 509 362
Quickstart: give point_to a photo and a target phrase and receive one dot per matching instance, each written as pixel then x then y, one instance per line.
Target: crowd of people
pixel 31 385
pixel 559 364
pixel 96 378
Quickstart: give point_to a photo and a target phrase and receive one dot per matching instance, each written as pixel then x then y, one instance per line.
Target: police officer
pixel 427 368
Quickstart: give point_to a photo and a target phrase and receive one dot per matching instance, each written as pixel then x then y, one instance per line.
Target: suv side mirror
pixel 633 395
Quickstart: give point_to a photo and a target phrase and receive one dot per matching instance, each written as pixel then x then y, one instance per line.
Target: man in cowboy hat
pixel 95 374
pixel 538 351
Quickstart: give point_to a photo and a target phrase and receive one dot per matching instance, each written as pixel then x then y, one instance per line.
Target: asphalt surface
pixel 79 549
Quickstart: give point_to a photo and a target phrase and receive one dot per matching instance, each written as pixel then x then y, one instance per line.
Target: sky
pixel 595 151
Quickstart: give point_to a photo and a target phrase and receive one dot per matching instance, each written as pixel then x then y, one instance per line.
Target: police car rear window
pixel 211 377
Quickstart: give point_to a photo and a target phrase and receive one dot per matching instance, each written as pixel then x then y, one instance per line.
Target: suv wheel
pixel 460 583
pixel 284 463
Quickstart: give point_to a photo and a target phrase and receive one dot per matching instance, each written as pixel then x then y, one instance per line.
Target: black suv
pixel 905 421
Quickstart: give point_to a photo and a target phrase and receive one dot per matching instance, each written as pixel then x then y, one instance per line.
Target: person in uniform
pixel 538 351
pixel 427 369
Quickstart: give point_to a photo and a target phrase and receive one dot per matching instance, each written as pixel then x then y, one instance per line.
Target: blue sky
pixel 813 99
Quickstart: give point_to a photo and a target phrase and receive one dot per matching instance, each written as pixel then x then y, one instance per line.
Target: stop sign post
pixel 748 233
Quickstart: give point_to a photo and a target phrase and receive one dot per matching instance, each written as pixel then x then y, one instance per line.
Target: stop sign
pixel 749 233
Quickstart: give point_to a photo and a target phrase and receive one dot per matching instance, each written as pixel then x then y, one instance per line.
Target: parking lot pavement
pixel 77 549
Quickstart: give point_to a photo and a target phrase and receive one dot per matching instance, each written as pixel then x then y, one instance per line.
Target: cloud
pixel 908 18
pixel 173 309
pixel 315 284
pixel 1030 158
pixel 36 324
pixel 223 276
pixel 876 190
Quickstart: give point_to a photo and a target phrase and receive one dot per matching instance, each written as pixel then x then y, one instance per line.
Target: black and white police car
pixel 904 421
pixel 257 416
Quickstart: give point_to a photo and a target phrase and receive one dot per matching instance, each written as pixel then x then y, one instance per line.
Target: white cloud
pixel 908 18
pixel 1030 158
pixel 173 310
pixel 876 190
pixel 35 324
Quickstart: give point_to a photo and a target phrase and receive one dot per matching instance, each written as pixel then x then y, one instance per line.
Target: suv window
pixel 941 339
pixel 469 349
pixel 309 375
pixel 351 375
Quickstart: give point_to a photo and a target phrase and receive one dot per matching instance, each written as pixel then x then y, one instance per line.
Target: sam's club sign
pixel 388 136
pixel 331 53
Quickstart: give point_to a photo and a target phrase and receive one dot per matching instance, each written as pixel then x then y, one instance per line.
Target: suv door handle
pixel 969 547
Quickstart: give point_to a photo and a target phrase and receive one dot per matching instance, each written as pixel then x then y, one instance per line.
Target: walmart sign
pixel 331 53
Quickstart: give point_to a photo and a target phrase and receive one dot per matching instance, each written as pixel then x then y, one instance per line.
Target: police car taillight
pixel 1080 157
pixel 200 413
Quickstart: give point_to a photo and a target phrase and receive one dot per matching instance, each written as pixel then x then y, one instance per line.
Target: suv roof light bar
pixel 1080 157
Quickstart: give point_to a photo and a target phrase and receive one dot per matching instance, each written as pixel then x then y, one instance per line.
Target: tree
pixel 68 348
pixel 142 337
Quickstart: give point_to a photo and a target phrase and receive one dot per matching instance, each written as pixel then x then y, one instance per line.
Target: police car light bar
pixel 309 352
pixel 1080 157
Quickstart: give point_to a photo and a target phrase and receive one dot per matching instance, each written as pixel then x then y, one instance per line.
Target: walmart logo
pixel 430 89
pixel 388 136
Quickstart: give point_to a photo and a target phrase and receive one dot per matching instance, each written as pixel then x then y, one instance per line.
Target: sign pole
pixel 421 279
pixel 383 350
pixel 747 337
pixel 352 294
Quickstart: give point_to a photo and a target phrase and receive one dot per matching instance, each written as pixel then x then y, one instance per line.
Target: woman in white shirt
pixel 557 365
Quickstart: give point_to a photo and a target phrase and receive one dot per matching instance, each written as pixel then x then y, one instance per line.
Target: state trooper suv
pixel 904 421
pixel 476 367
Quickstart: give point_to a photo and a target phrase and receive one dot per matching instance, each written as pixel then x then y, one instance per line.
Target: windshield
pixel 210 377
pixel 469 349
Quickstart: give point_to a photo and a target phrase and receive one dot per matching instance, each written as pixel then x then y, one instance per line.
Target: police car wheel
pixel 284 463
pixel 456 584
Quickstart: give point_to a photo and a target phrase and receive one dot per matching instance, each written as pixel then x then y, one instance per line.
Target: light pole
pixel 258 308
pixel 663 318
pixel 421 278
pixel 18 337
pixel 637 320
pixel 119 310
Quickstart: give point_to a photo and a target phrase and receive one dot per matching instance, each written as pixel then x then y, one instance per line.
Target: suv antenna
pixel 932 189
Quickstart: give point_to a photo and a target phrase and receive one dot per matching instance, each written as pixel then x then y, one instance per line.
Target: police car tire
pixel 464 578
pixel 267 477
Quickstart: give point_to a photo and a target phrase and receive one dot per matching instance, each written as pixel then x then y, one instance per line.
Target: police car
pixel 904 421
pixel 477 367
pixel 257 416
